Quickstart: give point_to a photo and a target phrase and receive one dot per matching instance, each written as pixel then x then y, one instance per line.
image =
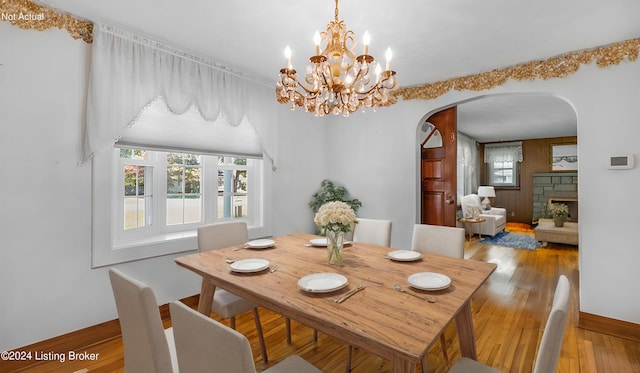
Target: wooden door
pixel 439 169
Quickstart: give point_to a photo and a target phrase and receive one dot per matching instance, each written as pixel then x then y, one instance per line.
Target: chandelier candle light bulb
pixel 366 39
pixel 287 55
pixel 316 41
pixel 388 55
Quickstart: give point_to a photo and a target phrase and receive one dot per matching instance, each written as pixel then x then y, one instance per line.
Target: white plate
pixel 404 255
pixel 260 244
pixel 322 282
pixel 250 265
pixel 429 281
pixel 318 242
pixel 322 242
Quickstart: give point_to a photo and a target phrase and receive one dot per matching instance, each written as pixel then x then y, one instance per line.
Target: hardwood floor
pixel 509 313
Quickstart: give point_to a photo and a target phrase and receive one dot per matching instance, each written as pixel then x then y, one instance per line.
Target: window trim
pixel 108 248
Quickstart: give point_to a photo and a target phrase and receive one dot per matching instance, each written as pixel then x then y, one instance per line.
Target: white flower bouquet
pixel 336 218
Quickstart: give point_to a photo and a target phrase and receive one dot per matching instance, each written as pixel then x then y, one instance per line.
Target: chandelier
pixel 337 81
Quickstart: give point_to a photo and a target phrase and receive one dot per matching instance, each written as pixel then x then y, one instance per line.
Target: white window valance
pixel 503 152
pixel 130 74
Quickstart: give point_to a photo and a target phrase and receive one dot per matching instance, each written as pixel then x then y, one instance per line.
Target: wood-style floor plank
pixel 509 314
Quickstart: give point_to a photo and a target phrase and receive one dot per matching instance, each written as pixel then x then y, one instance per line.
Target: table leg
pixel 401 365
pixel 207 290
pixel 468 227
pixel 466 335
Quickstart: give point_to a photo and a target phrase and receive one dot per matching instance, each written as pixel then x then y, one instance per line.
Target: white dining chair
pixel 148 347
pixel 224 303
pixel 439 240
pixel 205 345
pixel 373 231
pixel 551 343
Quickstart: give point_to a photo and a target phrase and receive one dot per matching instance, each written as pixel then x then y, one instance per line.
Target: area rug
pixel 510 239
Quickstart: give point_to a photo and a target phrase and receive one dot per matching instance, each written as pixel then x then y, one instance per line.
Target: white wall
pixel 46 281
pixel 48 287
pixel 376 157
pixel 302 165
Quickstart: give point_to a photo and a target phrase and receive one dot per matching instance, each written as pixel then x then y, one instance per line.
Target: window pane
pixel 230 206
pixel 130 179
pixel 232 161
pixel 192 180
pixel 135 212
pixel 133 154
pixel 174 158
pixel 184 210
pixel 141 170
pixel 175 210
pixel 192 159
pixel 174 180
pixel 192 209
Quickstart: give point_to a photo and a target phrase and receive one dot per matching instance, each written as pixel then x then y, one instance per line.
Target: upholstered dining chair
pixel 205 345
pixel 148 347
pixel 551 343
pixel 373 231
pixel 439 240
pixel 224 303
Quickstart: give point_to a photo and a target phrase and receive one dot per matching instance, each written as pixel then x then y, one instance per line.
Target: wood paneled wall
pixel 536 158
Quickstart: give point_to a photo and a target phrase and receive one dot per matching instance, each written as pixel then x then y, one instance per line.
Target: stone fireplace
pixel 556 187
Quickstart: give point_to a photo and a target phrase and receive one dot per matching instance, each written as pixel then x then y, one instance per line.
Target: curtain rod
pixel 161 46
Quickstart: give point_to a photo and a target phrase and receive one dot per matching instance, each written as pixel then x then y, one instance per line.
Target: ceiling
pixel 431 40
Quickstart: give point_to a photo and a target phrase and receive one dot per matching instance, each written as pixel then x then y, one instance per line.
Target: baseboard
pixel 83 338
pixel 617 328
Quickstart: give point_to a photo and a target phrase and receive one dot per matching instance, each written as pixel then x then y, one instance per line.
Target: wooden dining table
pixel 398 326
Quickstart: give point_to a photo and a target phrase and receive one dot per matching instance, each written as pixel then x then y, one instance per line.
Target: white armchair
pixel 495 218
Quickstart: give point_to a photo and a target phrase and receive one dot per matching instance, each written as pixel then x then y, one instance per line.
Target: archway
pixel 540 120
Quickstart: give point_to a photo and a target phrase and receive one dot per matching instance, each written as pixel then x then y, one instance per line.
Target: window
pixel 156 200
pixel 502 163
pixel 503 173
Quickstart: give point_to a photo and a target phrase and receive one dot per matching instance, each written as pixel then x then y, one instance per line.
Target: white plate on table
pixel 404 255
pixel 322 282
pixel 263 243
pixel 250 265
pixel 319 242
pixel 322 242
pixel 429 281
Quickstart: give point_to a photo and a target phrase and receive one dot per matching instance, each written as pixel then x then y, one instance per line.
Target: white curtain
pixel 468 157
pixel 130 72
pixel 503 152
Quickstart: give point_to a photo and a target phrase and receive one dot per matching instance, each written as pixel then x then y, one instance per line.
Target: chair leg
pixel 232 321
pixel 349 353
pixel 315 335
pixel 287 325
pixel 263 347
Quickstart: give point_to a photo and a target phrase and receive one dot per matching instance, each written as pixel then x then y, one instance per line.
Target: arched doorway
pixel 541 120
